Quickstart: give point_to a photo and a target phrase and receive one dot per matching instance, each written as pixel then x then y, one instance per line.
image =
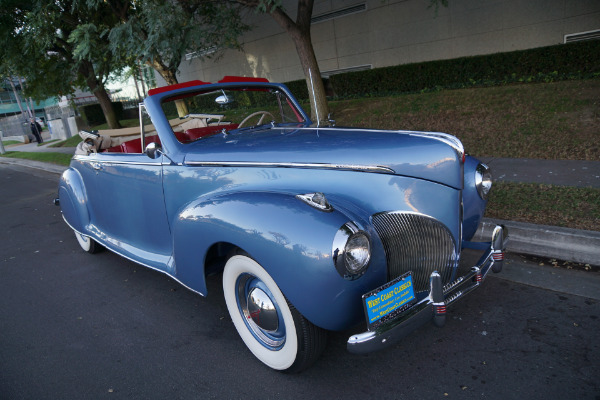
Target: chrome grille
pixel 417 243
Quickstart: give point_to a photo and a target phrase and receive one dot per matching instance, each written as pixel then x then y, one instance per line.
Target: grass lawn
pixel 559 120
pixel 570 207
pixel 54 158
pixel 10 142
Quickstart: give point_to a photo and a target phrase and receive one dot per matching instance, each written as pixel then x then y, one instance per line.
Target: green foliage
pixel 267 5
pixel 298 89
pixel 92 114
pixel 87 40
pixel 545 64
pixel 161 33
pixel 48 41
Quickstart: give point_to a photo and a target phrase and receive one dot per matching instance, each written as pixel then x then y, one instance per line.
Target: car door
pixel 128 209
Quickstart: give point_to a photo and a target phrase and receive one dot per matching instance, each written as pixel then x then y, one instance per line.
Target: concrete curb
pixel 557 279
pixel 546 241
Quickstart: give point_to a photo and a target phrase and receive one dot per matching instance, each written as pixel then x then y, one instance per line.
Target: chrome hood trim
pixel 446 138
pixel 340 167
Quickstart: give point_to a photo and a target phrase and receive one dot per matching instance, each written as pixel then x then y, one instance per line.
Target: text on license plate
pixel 388 298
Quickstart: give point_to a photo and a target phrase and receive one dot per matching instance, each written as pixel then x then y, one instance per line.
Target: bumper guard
pixel 433 307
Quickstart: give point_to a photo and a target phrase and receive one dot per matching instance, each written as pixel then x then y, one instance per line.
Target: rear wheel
pixel 274 331
pixel 88 244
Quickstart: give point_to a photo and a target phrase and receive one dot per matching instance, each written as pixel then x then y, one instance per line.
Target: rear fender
pixel 73 200
pixel 290 239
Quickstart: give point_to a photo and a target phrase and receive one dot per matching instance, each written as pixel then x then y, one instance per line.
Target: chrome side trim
pixel 340 167
pixel 88 160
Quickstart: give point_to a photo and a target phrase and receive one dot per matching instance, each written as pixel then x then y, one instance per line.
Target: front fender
pixel 473 204
pixel 73 200
pixel 290 239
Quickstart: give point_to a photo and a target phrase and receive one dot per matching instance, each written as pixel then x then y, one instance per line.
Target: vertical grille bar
pixel 417 243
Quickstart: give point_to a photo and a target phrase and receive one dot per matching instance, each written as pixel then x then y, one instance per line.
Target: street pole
pixel 2 151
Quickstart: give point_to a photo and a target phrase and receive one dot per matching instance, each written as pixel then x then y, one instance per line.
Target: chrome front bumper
pixel 433 307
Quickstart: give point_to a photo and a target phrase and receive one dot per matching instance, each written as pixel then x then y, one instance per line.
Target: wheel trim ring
pixel 271 340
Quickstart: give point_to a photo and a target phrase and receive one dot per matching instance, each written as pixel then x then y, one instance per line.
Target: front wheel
pixel 274 331
pixel 88 244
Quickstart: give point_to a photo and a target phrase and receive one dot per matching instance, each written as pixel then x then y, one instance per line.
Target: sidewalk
pixel 554 172
pixel 538 240
pixel 33 146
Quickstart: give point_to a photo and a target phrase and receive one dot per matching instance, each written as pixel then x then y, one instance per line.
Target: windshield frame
pixel 170 144
pixel 291 113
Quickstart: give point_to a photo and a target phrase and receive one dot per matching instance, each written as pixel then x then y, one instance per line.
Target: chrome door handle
pixel 97 166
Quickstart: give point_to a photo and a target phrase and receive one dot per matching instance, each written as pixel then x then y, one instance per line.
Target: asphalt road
pixel 80 326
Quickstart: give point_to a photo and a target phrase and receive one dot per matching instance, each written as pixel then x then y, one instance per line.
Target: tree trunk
pixel 299 31
pixel 171 79
pixel 98 89
pixel 17 97
pixel 107 108
pixel 316 90
pixel 137 88
pixel 30 109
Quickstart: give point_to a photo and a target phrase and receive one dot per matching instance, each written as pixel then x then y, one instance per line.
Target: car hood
pixel 431 156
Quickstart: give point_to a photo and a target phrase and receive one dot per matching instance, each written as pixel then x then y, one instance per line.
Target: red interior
pixel 135 145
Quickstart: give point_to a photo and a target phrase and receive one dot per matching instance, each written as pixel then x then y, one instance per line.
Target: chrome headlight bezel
pixel 351 251
pixel 483 180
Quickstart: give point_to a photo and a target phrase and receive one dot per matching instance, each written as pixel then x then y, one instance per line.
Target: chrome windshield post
pixel 142 111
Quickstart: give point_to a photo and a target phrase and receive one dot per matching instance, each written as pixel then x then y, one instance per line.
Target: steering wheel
pixel 254 114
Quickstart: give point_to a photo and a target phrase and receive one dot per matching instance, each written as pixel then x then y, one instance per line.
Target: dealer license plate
pixel 391 297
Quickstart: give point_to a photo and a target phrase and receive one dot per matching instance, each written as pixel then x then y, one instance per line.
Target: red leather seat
pixel 132 146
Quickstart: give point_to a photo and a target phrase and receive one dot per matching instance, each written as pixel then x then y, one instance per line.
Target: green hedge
pixel 92 113
pixel 545 64
pixel 298 88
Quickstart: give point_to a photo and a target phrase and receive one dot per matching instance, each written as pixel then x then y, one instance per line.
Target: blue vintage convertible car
pixel 314 228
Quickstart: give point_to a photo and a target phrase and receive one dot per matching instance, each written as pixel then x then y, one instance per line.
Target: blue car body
pixel 187 206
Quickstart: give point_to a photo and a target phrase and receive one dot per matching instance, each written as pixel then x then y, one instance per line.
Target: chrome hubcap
pixel 260 311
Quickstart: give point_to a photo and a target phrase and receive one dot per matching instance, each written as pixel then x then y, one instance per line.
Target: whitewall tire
pixel 87 243
pixel 272 329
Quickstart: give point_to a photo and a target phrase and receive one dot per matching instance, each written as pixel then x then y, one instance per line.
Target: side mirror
pixel 153 150
pixel 223 99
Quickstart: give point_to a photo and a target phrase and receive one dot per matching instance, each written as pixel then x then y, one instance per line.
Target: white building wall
pixel 398 32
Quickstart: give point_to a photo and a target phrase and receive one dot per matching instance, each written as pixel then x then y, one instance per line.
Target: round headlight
pixel 357 253
pixel 483 180
pixel 351 251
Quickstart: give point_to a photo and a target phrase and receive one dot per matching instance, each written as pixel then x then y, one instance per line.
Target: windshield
pixel 197 115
